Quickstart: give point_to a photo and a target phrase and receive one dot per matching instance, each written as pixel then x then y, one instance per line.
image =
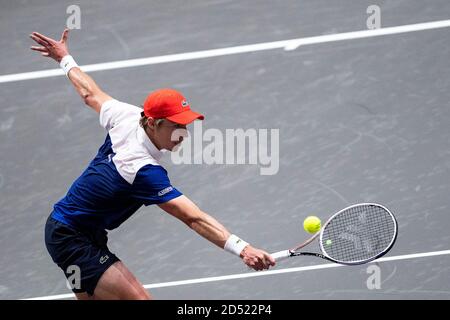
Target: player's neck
pixel 151 136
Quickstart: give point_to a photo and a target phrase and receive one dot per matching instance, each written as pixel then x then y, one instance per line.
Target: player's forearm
pixel 57 50
pixel 206 226
pixel 85 85
pixel 210 229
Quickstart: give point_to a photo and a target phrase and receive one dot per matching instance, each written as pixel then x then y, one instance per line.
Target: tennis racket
pixel 355 235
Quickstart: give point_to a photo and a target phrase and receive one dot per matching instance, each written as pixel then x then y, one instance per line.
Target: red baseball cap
pixel 170 104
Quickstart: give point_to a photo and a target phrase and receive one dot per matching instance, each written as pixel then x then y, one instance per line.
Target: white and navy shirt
pixel 124 175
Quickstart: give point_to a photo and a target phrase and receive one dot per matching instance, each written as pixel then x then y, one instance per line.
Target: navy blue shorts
pixel 83 256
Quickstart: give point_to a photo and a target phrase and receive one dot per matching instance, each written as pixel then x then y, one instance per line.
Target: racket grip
pixel 281 255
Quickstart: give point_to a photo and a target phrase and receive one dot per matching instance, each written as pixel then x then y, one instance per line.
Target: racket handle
pixel 281 255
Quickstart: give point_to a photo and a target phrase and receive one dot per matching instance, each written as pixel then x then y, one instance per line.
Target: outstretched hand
pixel 257 259
pixel 50 47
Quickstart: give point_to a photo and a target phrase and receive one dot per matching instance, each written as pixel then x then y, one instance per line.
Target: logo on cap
pixel 184 103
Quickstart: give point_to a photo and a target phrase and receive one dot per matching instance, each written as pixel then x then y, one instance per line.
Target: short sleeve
pixel 114 111
pixel 152 186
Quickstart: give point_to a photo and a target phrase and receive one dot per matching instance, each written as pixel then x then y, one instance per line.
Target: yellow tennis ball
pixel 311 224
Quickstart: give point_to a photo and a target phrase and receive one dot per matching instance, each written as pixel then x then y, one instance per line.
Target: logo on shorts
pixel 164 191
pixel 103 259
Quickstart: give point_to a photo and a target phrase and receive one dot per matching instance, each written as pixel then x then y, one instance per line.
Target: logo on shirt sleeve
pixel 164 191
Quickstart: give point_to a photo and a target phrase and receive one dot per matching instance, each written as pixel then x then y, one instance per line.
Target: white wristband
pixel 235 245
pixel 67 63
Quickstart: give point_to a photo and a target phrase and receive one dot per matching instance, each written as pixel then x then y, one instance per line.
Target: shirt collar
pixel 145 141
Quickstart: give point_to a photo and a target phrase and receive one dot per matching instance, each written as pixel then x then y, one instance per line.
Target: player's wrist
pixel 235 245
pixel 244 251
pixel 67 63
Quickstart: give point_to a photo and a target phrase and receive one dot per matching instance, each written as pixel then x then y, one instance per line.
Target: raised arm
pixel 86 87
pixel 209 228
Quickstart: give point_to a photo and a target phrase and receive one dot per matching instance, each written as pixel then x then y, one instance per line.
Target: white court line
pixel 285 44
pixel 259 274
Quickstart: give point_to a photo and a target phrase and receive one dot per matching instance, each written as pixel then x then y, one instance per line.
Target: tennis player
pixel 124 175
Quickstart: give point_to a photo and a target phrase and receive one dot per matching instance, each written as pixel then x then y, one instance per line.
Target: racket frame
pixel 294 251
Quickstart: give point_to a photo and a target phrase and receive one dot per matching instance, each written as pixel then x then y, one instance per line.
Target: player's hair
pixel 144 121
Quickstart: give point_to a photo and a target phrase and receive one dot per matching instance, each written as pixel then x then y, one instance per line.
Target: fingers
pixel 269 259
pixel 253 263
pixel 41 49
pixel 43 38
pixel 39 40
pixel 64 35
pixel 257 259
pixel 257 266
pixel 262 262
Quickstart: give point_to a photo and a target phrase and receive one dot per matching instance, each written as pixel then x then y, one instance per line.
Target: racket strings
pixel 358 233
